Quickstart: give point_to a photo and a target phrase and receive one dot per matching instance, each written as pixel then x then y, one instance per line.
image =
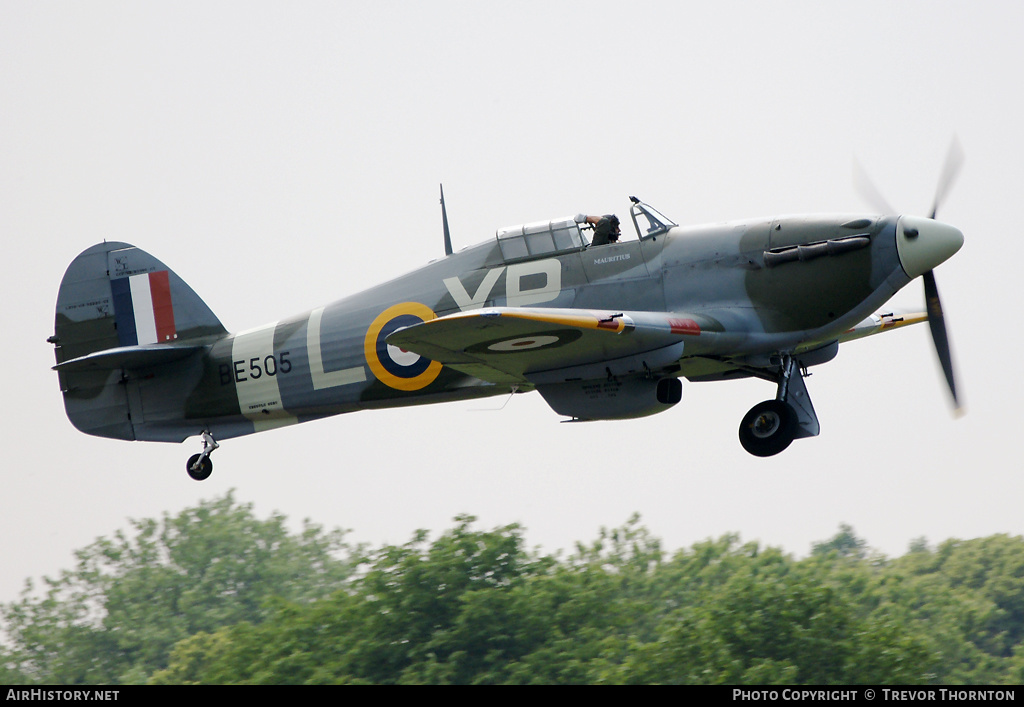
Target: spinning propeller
pixel 923 244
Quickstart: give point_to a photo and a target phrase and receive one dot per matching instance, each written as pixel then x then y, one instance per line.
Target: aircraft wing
pixel 878 323
pixel 537 345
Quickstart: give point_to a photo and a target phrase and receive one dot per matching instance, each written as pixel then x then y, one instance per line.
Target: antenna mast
pixel 444 219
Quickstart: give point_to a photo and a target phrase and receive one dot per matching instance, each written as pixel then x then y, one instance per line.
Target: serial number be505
pixel 255 368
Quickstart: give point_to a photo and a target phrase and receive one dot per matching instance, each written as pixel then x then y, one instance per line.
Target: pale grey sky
pixel 279 156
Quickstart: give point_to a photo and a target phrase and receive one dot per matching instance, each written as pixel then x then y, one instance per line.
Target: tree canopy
pixel 115 617
pixel 215 595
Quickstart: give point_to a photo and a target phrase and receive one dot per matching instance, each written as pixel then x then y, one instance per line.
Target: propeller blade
pixel 943 241
pixel 937 324
pixel 864 186
pixel 950 170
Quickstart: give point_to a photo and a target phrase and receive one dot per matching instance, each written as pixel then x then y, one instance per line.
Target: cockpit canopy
pixel 541 238
pixel 564 235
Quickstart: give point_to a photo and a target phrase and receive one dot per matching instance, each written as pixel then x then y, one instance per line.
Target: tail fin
pixel 119 307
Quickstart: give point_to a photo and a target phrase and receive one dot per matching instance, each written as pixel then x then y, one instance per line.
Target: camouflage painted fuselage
pixel 747 291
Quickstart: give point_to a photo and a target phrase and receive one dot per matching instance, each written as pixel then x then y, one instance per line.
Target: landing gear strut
pixel 200 466
pixel 771 426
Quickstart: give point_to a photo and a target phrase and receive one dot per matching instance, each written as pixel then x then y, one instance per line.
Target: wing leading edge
pixel 879 323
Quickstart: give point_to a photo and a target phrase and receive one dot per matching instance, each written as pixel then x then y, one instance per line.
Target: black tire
pixel 204 470
pixel 768 428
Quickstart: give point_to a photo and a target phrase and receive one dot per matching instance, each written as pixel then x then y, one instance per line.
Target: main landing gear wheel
pixel 768 428
pixel 199 470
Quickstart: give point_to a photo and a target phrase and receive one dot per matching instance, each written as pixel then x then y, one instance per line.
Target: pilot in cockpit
pixel 606 228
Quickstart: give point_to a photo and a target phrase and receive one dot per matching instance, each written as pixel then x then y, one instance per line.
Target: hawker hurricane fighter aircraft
pixel 601 331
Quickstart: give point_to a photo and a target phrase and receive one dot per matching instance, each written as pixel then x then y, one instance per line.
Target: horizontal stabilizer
pixel 130 357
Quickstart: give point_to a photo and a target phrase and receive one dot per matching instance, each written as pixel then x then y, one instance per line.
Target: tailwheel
pixel 199 467
pixel 768 428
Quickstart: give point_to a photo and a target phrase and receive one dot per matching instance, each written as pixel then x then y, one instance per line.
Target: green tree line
pixel 216 595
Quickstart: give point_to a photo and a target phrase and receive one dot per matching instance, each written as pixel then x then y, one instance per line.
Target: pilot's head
pixel 614 221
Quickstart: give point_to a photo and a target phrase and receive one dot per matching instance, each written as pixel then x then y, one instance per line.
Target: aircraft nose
pixel 923 243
